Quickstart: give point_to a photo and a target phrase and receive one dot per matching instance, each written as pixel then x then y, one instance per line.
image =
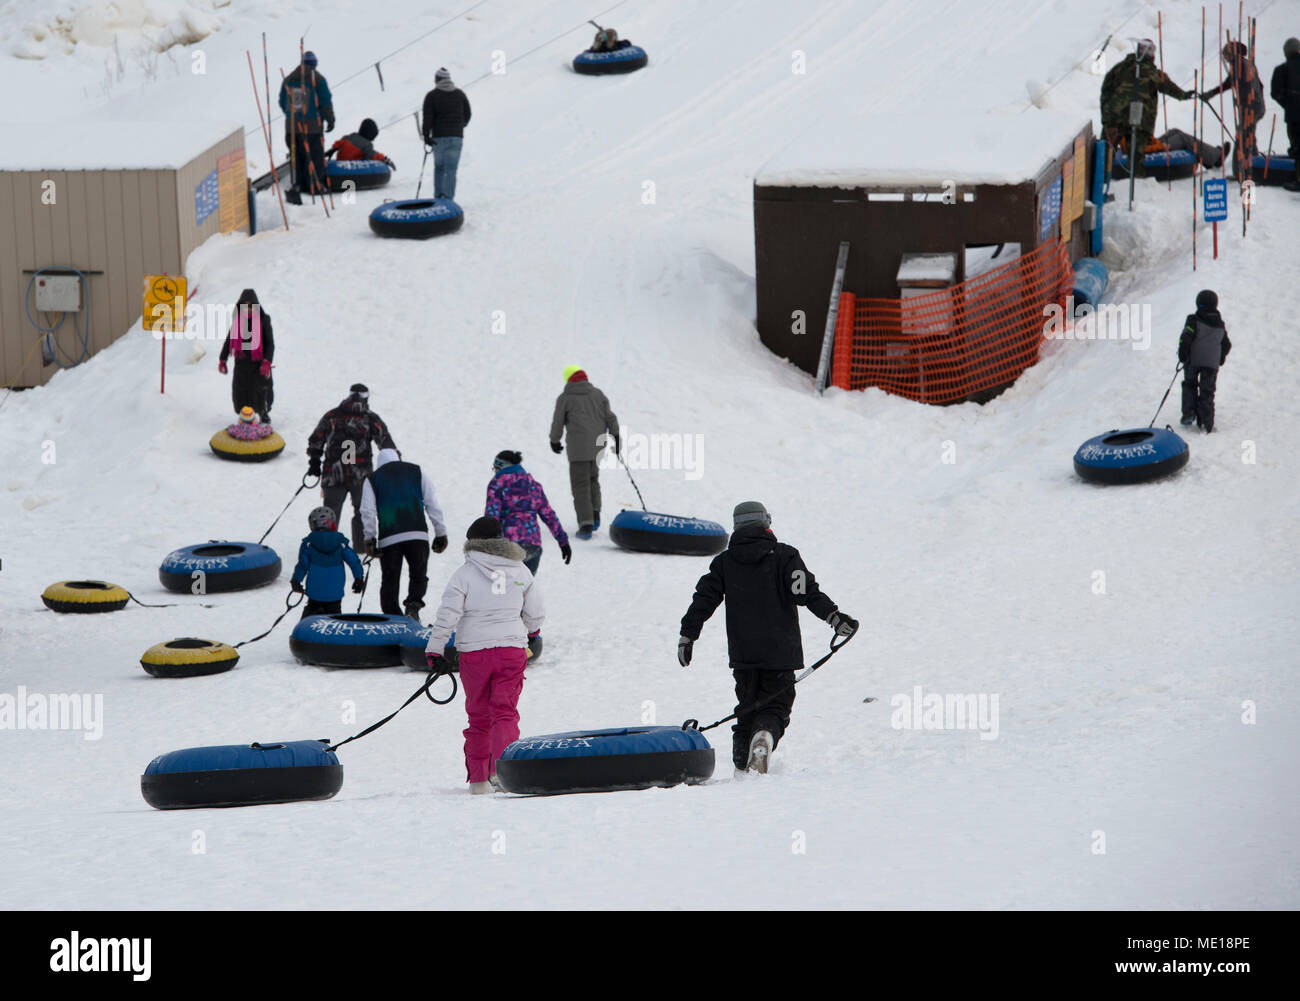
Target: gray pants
pixel 584 479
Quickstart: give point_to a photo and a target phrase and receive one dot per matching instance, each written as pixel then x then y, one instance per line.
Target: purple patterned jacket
pixel 517 500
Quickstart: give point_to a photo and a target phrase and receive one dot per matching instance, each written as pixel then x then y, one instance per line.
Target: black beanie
pixel 1207 300
pixel 368 128
pixel 507 458
pixel 360 389
pixel 484 528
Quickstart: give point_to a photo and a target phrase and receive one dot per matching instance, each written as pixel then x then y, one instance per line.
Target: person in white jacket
pixel 394 501
pixel 492 603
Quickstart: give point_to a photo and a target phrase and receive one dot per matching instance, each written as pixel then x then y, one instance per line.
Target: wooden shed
pixel 901 189
pixel 86 211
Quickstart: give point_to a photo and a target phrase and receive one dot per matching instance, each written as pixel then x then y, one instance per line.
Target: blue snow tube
pixel 357 639
pixel 649 532
pixel 626 60
pixel 239 775
pixel 606 760
pixel 225 566
pixel 1164 166
pixel 414 642
pixel 1090 281
pixel 417 219
pixel 1132 456
pixel 362 173
pixel 1281 169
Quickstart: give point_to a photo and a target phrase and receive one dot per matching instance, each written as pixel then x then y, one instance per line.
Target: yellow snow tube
pixel 238 450
pixel 84 596
pixel 188 658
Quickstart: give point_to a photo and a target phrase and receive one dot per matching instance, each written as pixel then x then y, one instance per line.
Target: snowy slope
pixel 1119 712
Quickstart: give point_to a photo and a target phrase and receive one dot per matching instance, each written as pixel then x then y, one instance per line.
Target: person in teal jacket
pixel 308 106
pixel 320 561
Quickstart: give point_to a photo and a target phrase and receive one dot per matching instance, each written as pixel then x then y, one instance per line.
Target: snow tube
pixel 1281 169
pixel 606 760
pixel 1090 281
pixel 237 450
pixel 84 596
pixel 226 566
pixel 350 639
pixel 188 658
pixel 417 220
pixel 1170 165
pixel 413 644
pixel 648 532
pixel 1132 456
pixel 362 173
pixel 626 60
pixel 238 775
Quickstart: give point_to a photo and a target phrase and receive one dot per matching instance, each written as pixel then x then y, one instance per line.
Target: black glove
pixel 439 543
pixel 372 547
pixel 391 165
pixel 329 124
pixel 684 647
pixel 296 586
pixel 358 585
pixel 844 625
pixel 436 661
pixel 567 553
pixel 618 446
pixel 313 465
pixel 556 447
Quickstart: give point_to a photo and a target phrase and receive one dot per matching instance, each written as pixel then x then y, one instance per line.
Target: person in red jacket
pixel 360 145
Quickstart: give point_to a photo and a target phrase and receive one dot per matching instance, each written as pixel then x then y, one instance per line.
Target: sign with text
pixel 1214 199
pixel 164 303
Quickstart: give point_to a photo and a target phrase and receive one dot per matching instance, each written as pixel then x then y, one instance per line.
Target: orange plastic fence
pixel 946 346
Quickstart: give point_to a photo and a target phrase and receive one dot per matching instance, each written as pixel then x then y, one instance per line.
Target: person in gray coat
pixel 1202 348
pixel 584 411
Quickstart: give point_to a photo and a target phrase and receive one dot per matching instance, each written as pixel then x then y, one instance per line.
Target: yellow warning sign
pixel 164 304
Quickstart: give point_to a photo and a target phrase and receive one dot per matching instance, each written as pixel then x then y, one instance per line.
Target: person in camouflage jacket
pixel 1117 93
pixel 339 452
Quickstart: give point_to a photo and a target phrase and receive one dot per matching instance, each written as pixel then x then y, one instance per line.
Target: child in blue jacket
pixel 320 561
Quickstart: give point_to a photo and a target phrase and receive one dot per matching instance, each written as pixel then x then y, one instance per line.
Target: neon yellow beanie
pixel 569 370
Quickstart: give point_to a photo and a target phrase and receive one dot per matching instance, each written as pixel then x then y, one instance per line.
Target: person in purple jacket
pixel 517 500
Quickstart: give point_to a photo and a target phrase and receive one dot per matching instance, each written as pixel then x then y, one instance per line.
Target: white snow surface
pixel 929 146
pixel 156 145
pixel 1129 633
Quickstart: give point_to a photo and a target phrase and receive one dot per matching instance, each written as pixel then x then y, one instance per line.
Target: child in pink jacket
pixel 492 603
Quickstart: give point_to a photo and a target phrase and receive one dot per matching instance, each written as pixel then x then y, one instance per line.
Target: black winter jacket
pixel 764 582
pixel 1285 88
pixel 268 342
pixel 1187 342
pixel 350 422
pixel 446 113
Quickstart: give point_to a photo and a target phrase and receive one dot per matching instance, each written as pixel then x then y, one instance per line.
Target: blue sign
pixel 207 198
pixel 1215 199
pixel 1049 210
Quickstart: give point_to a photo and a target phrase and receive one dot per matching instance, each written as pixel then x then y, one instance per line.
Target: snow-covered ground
pixel 1120 713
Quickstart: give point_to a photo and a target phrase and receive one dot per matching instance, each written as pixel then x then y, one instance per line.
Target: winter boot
pixel 596 522
pixel 1187 421
pixel 1292 185
pixel 534 647
pixel 760 751
pixel 584 532
pixel 412 609
pixel 480 788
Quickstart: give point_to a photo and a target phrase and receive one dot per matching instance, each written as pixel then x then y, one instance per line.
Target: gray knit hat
pixel 750 513
pixel 1291 46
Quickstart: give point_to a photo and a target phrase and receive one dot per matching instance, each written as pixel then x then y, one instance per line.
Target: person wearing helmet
pixel 1241 78
pixel 1202 348
pixel 252 342
pixel 1285 88
pixel 321 557
pixel 308 107
pixel 339 452
pixel 1135 78
pixel 360 145
pixel 583 416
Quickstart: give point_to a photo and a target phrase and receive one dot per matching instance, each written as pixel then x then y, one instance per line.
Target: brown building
pixel 924 203
pixel 86 211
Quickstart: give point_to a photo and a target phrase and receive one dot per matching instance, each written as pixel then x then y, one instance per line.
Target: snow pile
pixel 139 25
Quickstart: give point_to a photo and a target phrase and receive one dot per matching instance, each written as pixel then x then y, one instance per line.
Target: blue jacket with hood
pixel 320 560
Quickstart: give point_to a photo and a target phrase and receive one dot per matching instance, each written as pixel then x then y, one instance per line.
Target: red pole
pixel 266 134
pixel 1164 101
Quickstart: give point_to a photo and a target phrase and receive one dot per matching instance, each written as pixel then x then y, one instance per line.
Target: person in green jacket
pixel 584 411
pixel 1135 78
pixel 308 108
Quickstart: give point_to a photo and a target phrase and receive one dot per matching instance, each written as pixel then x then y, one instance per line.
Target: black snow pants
pixel 311 607
pixel 249 389
pixel 334 498
pixel 415 553
pixel 756 685
pixel 1198 394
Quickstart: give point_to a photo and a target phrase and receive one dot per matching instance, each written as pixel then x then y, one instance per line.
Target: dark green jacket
pixel 1117 94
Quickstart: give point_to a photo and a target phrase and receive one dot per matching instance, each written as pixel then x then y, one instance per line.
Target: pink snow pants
pixel 492 679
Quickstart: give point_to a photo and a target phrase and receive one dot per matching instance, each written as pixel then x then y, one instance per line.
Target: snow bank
pixel 148 25
pixel 850 151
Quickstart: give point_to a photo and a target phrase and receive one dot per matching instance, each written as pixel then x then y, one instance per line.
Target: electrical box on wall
pixel 58 293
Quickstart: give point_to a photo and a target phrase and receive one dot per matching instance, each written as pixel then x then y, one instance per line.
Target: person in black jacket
pixel 764 582
pixel 308 108
pixel 253 345
pixel 446 113
pixel 338 451
pixel 1202 348
pixel 1285 88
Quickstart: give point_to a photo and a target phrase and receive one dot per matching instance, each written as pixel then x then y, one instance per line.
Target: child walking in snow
pixel 517 500
pixel 1202 348
pixel 320 560
pixel 764 582
pixel 492 604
